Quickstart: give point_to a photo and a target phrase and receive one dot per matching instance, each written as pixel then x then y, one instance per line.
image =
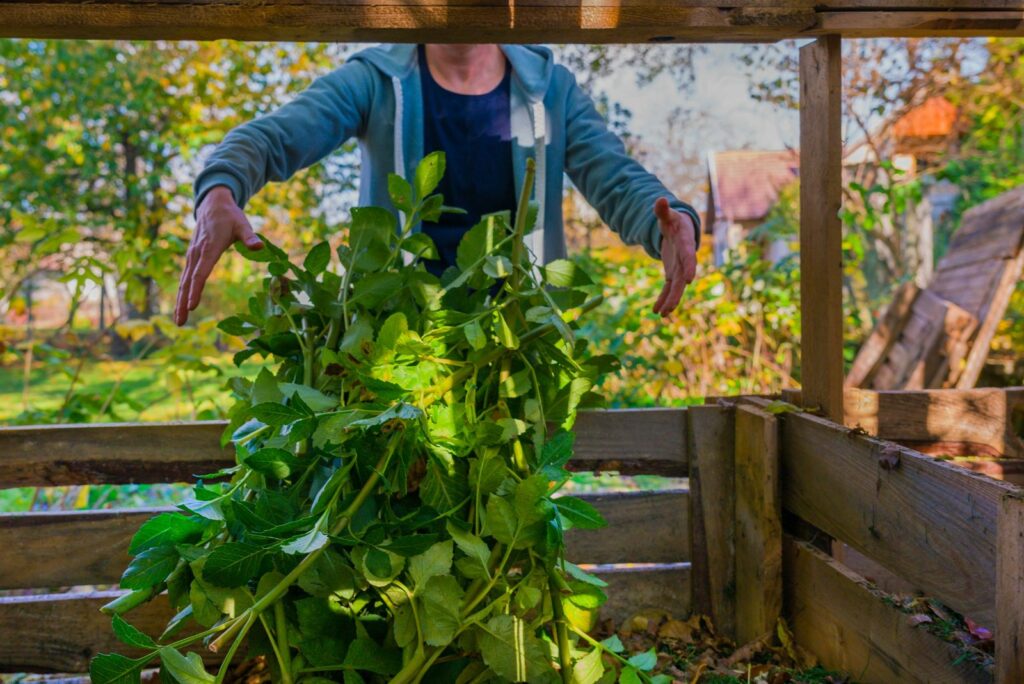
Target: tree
pixel 103 138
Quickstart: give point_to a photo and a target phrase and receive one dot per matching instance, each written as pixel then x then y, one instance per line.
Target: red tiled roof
pixel 935 118
pixel 745 183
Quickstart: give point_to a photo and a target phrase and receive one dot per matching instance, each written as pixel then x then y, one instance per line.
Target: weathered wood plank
pixel 631 441
pixel 758 524
pixel 921 24
pixel 885 334
pixel 1009 632
pixel 977 419
pixel 929 522
pixel 821 278
pixel 60 549
pixel 990 318
pixel 631 590
pixel 839 618
pixel 711 432
pixel 61 632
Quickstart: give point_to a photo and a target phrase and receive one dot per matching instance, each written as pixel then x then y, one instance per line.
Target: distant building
pixel 744 185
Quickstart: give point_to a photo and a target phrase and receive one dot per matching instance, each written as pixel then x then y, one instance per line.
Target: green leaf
pixel 391 330
pixel 497 266
pixel 437 560
pixel 113 668
pixel 557 450
pixel 630 675
pixel 276 415
pixel 579 513
pixel 366 654
pixel 420 245
pixel 318 258
pixel 501 519
pixel 503 332
pixel 307 543
pixel 428 174
pixel 165 529
pixel 187 670
pixel 329 575
pixel 475 335
pixel 471 545
pixel 583 576
pixel 130 635
pixel 565 273
pixel 613 644
pixel 512 651
pixel 273 462
pixel 370 238
pixel 150 567
pixel 411 545
pixel 645 661
pixel 233 564
pixel 316 400
pixel 324 632
pixel 400 192
pixel 236 326
pixel 443 488
pixel 265 389
pixel 588 669
pixel 516 385
pixel 441 598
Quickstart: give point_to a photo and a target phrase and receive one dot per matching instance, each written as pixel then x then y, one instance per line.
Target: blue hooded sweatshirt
pixel 376 97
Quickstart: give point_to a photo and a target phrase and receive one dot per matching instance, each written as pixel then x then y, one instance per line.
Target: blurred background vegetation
pixel 100 142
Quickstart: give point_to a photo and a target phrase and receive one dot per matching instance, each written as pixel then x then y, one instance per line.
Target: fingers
pixel 204 266
pixel 662 297
pixel 674 293
pixel 663 211
pixel 181 305
pixel 247 235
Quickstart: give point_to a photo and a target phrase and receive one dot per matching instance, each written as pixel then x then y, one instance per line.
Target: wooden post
pixel 758 524
pixel 1010 590
pixel 821 260
pixel 711 433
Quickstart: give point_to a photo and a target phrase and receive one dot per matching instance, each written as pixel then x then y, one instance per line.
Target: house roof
pixel 746 183
pixel 934 118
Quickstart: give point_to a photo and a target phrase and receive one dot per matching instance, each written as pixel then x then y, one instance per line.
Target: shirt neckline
pixel 425 70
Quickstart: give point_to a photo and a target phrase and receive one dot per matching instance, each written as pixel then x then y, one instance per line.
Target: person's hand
pixel 679 254
pixel 219 223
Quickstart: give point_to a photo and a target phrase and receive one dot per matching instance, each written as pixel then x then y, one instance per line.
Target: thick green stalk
pixel 564 653
pixel 284 651
pixel 519 232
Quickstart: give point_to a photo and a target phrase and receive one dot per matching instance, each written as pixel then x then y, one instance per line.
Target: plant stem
pixel 564 654
pixel 284 653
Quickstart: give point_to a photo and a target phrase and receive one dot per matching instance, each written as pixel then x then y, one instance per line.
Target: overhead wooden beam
pixel 821 258
pixel 552 21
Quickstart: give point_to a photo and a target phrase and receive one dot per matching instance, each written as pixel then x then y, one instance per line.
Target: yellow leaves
pixel 135 329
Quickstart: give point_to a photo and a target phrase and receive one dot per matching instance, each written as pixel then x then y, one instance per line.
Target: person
pixel 489 108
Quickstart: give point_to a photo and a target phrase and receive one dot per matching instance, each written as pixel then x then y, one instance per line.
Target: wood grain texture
pixel 821 278
pixel 1009 632
pixel 643 527
pixel 61 632
pixel 927 521
pixel 845 623
pixel 632 590
pixel 886 332
pixel 711 432
pixel 978 420
pixel 758 536
pixel 990 318
pixel 630 441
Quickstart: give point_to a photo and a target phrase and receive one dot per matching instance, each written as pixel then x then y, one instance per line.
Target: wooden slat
pixel 990 319
pixel 632 590
pixel 975 419
pixel 885 334
pixel 711 431
pixel 61 633
pixel 1009 631
pixel 927 521
pixel 821 259
pixel 839 618
pixel 631 441
pixel 503 21
pixel 47 550
pixel 643 527
pixel 758 524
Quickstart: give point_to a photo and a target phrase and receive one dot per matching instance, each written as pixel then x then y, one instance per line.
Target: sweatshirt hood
pixel 532 65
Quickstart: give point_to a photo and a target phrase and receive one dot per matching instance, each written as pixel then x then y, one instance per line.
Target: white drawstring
pixel 396 83
pixel 540 141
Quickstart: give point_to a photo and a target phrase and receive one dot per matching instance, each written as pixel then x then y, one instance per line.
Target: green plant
pixel 390 516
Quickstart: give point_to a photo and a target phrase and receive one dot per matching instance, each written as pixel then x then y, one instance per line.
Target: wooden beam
pixel 848 626
pixel 632 590
pixel 929 522
pixel 758 525
pixel 711 431
pixel 129 453
pixel 543 21
pixel 1009 631
pixel 971 421
pixel 63 549
pixel 821 258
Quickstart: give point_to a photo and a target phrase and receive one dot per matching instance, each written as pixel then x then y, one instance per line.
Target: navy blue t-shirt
pixel 474 132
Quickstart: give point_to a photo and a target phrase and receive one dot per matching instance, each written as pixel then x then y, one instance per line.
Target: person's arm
pixel 626 196
pixel 271 148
